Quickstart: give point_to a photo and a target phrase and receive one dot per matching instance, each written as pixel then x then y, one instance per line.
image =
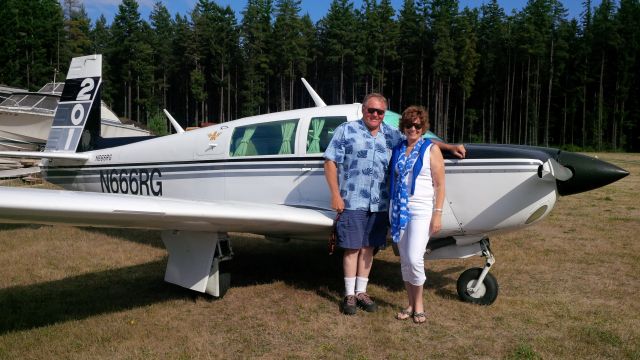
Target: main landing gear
pixel 194 260
pixel 476 285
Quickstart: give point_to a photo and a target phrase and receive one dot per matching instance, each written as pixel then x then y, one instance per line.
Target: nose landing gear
pixel 477 285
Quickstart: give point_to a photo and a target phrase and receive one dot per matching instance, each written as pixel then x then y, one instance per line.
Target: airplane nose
pixel 588 173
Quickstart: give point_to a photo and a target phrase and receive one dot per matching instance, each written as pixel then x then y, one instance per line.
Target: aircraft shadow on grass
pixel 301 265
pixel 138 236
pixel 307 266
pixel 83 296
pixel 18 226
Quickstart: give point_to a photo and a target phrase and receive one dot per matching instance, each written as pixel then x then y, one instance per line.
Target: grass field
pixel 569 288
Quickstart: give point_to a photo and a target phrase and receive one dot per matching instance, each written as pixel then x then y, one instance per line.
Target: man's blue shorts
pixel 359 228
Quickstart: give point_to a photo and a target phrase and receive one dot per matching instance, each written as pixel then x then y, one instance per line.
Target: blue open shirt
pixel 362 162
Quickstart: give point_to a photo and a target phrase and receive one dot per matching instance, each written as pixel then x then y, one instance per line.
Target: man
pixel 356 162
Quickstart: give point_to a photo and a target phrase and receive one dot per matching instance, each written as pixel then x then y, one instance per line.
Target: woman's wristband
pixel 437 210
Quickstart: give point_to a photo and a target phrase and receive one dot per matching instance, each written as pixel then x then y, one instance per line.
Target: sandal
pixel 404 314
pixel 419 318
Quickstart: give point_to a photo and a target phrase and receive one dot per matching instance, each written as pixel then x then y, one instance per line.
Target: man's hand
pixel 331 174
pixel 337 203
pixel 459 151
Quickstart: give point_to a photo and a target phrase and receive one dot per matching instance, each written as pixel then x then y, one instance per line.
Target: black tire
pixel 487 293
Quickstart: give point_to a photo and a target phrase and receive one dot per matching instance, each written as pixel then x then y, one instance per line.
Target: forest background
pixel 534 77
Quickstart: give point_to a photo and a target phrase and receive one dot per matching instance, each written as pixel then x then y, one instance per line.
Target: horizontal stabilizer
pixel 45 155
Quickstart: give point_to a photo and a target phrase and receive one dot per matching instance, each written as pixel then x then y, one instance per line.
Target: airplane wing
pixel 20 205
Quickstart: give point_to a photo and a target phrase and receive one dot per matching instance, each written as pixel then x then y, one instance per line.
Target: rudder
pixel 76 123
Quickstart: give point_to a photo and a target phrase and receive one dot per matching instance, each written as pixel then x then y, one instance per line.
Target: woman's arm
pixel 437 174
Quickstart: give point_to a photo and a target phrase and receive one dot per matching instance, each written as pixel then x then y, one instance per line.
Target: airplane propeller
pixel 588 173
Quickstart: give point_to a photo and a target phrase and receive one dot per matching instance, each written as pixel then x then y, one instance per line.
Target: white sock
pixel 361 284
pixel 349 286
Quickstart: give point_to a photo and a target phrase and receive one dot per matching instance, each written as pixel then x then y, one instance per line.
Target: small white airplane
pixel 264 175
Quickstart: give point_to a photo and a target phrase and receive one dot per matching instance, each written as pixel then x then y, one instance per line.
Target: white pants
pixel 413 245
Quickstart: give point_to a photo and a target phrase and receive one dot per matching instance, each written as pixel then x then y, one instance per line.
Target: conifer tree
pixel 256 31
pixel 163 32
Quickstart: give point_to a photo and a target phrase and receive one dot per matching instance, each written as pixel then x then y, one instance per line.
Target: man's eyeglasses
pixel 409 126
pixel 372 111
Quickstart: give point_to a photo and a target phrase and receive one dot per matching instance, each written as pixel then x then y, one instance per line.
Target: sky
pixel 315 8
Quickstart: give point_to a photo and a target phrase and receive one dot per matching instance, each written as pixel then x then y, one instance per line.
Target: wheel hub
pixel 482 289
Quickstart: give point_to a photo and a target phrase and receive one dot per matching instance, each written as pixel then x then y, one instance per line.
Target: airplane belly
pixel 499 198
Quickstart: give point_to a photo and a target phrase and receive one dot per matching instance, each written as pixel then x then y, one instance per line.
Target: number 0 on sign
pixel 77 114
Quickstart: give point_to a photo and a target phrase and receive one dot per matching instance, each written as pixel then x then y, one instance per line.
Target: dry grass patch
pixel 568 289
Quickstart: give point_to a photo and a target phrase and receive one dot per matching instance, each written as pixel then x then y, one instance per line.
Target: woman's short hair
pixel 413 112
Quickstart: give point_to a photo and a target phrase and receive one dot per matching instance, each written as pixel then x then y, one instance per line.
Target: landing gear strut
pixel 476 285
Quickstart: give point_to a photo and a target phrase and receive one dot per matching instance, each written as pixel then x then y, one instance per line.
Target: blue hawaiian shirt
pixel 362 162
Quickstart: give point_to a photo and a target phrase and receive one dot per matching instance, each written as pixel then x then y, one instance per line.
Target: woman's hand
pixel 436 223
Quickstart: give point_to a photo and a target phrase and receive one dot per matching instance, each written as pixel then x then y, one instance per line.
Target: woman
pixel 417 196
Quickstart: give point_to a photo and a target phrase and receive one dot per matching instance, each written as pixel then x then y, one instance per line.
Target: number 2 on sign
pixel 87 86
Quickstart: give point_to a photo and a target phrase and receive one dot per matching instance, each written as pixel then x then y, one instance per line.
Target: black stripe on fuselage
pixel 259 163
pixel 474 152
pixel 291 166
pixel 188 166
pixel 193 162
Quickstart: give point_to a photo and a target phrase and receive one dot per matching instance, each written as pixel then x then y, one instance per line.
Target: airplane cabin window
pixel 272 138
pixel 321 131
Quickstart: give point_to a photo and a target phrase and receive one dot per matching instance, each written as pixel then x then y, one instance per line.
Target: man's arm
pixel 457 150
pixel 331 174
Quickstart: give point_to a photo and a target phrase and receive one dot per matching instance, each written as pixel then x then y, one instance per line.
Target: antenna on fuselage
pixel 175 124
pixel 314 95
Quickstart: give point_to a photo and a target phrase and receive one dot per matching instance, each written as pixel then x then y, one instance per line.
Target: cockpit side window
pixel 321 131
pixel 272 138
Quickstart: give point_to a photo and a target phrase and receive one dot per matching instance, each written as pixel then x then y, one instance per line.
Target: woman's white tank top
pixel 422 198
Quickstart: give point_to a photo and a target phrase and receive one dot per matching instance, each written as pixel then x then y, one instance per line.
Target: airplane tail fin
pixel 76 123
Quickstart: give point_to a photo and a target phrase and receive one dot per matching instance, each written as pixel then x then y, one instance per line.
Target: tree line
pixel 531 77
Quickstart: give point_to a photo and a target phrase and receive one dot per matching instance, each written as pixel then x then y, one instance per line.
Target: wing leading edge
pixel 112 210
